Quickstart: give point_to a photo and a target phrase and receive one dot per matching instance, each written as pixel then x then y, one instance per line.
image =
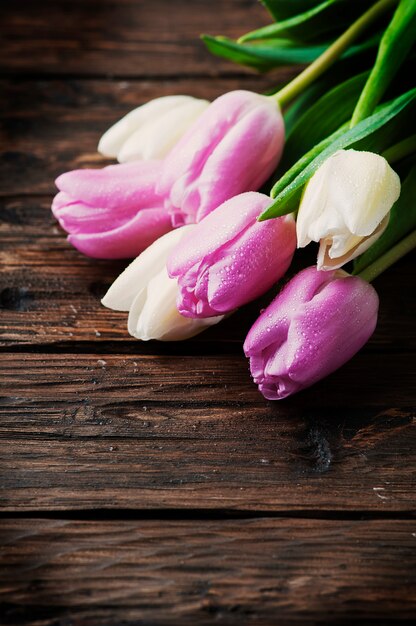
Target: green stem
pixel 394 254
pixel 331 54
pixel 396 42
pixel 400 150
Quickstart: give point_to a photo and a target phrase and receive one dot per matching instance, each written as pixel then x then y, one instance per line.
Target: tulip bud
pixel 151 130
pixel 230 258
pixel 234 146
pixel 314 325
pixel 345 206
pixel 114 212
pixel 146 291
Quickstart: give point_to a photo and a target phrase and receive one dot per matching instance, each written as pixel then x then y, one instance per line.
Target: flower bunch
pixel 188 196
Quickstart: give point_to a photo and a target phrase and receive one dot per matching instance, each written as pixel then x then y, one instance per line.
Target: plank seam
pixel 130 347
pixel 106 514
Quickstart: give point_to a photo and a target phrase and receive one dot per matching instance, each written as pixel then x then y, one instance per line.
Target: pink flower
pixel 233 146
pixel 114 212
pixel 229 258
pixel 316 324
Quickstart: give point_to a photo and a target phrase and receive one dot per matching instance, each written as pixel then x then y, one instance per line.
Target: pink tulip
pixel 114 212
pixel 314 325
pixel 230 258
pixel 233 146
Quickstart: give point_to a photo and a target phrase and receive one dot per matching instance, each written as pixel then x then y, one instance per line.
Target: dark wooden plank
pixel 120 37
pixel 197 572
pixel 51 126
pixel 166 431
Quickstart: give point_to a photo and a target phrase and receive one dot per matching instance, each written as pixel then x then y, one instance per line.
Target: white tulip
pixel 151 130
pixel 145 290
pixel 346 206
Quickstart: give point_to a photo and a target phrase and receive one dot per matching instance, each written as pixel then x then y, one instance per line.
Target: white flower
pixel 346 206
pixel 146 291
pixel 151 130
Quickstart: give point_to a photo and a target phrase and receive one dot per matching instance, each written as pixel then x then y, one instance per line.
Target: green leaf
pixel 402 221
pixel 396 43
pixel 322 119
pixel 324 17
pixel 282 9
pixel 395 130
pixel 275 52
pixel 302 27
pixel 288 190
pixel 341 71
pixel 302 103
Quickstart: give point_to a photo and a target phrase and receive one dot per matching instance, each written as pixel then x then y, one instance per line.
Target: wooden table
pixel 150 483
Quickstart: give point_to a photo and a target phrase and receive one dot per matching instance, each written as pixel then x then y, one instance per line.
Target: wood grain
pixel 169 431
pixel 201 572
pixel 121 37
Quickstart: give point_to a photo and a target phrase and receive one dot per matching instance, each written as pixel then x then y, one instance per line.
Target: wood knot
pixel 16 298
pixel 319 450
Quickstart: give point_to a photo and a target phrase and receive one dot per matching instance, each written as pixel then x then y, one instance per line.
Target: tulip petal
pixel 126 241
pixel 157 137
pixel 218 229
pixel 79 218
pixel 274 321
pixel 316 324
pixel 252 265
pixel 376 189
pixel 346 201
pixel 247 156
pixel 323 339
pixel 355 246
pixel 122 187
pixel 190 154
pixel 112 141
pixel 156 315
pixel 231 148
pixel 230 258
pixel 136 276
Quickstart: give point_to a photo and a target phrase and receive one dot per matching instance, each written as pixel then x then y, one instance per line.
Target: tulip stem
pixel 331 54
pixel 394 254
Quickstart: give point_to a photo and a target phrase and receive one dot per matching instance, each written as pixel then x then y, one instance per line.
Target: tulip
pixel 345 206
pixel 314 325
pixel 151 130
pixel 114 212
pixel 146 291
pixel 234 146
pixel 230 258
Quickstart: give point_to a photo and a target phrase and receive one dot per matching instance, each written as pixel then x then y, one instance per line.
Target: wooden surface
pixel 151 483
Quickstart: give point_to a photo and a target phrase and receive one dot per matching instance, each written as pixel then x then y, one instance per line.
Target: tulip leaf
pixel 341 71
pixel 275 52
pixel 324 17
pixel 269 54
pixel 282 9
pixel 303 102
pixel 322 119
pixel 395 44
pixel 301 26
pixel 402 221
pixel 364 136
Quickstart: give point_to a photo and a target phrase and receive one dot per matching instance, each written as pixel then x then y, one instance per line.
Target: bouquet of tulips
pixel 334 161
